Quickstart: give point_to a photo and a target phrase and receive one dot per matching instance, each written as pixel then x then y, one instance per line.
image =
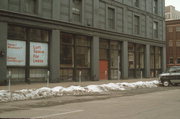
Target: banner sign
pixel 38 54
pixel 16 53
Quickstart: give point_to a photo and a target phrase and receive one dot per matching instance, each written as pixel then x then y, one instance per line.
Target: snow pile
pixel 43 92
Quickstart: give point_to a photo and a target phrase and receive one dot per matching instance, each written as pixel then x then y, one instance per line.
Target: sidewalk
pixel 67 84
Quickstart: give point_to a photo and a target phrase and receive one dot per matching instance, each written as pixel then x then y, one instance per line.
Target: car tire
pixel 166 83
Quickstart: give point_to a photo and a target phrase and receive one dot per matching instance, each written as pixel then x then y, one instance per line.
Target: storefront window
pixel 115 64
pixel 83 57
pixel 38 54
pixel 115 45
pixel 103 54
pixel 82 51
pixel 39 73
pixel 18 74
pixel 152 58
pixel 82 74
pixel 27 53
pixel 66 74
pixel 136 60
pixel 82 41
pixel 131 56
pixel 16 33
pixel 158 57
pixel 104 44
pixel 67 50
pixel 114 58
pixel 38 35
pixel 140 56
pixel 75 57
pixel 104 49
pixel 156 64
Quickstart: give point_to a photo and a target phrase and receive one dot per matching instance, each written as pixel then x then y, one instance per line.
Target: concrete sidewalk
pixel 67 84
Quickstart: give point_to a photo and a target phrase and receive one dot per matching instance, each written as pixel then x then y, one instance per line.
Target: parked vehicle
pixel 171 76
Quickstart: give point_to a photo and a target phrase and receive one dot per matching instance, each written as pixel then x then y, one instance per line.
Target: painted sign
pixel 16 53
pixel 38 54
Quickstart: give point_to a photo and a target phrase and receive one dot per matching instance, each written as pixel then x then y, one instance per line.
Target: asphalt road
pixel 154 103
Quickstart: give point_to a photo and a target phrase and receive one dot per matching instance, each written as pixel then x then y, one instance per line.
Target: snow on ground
pixel 44 92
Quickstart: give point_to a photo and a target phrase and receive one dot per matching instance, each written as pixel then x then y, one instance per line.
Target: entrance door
pixel 103 69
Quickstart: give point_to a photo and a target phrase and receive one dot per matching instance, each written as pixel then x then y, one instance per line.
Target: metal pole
pixel 118 68
pixel 48 74
pixel 156 73
pixel 9 85
pixel 105 75
pixel 119 74
pixel 80 74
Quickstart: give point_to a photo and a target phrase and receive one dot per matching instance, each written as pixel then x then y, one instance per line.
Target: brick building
pixel 173 42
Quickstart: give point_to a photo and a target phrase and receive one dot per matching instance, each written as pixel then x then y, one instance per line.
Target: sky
pixel 175 3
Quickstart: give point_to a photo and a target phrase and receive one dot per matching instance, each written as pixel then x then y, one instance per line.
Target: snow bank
pixel 44 92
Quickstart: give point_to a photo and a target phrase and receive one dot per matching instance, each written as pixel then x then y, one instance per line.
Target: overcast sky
pixel 175 3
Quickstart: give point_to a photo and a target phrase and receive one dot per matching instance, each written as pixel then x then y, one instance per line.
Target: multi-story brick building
pixel 99 39
pixel 173 42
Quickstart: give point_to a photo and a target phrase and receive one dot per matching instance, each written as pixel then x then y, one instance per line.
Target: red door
pixel 103 66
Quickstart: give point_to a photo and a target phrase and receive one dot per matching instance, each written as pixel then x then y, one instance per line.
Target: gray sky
pixel 175 3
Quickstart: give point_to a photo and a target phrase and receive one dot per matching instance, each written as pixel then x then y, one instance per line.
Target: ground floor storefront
pixel 35 54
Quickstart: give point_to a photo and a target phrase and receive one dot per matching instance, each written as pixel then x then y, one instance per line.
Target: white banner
pixel 16 53
pixel 38 54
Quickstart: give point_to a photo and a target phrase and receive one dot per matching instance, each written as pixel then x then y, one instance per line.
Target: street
pixel 152 103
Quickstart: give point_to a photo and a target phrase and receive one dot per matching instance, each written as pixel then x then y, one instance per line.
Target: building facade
pixel 171 13
pixel 81 39
pixel 173 42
